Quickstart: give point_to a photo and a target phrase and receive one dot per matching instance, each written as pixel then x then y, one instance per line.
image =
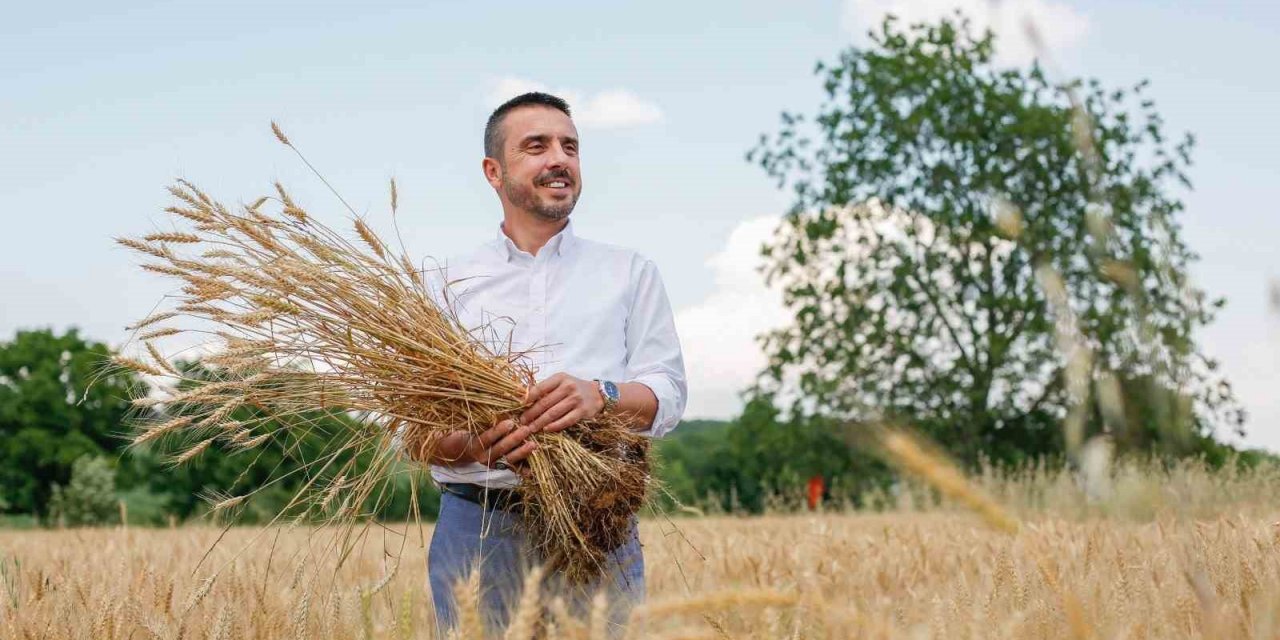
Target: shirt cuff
pixel 668 414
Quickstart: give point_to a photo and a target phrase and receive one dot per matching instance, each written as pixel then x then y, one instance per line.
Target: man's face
pixel 540 171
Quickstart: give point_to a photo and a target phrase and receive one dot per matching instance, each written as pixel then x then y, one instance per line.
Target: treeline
pixel 65 459
pixel 763 459
pixel 65 456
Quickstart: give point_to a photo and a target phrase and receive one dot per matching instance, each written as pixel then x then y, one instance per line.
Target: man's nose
pixel 559 157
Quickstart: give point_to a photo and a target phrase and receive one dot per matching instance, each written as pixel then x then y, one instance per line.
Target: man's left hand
pixel 560 402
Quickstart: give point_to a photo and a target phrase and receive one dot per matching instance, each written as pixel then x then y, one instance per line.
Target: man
pixel 602 338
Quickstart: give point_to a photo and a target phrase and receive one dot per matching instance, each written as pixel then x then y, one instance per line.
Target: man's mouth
pixel 556 184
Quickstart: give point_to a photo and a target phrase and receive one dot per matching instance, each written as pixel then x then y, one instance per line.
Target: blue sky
pixel 103 104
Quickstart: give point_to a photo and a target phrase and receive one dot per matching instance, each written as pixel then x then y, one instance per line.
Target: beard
pixel 525 196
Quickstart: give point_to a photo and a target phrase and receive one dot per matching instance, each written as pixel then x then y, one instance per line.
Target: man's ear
pixel 492 172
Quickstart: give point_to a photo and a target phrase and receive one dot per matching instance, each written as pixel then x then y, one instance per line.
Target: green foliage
pixel 181 488
pixel 146 507
pixel 50 414
pixel 55 424
pixel 274 472
pixel 397 501
pixel 738 464
pixel 911 303
pixel 19 521
pixel 690 458
pixel 90 497
pixel 770 453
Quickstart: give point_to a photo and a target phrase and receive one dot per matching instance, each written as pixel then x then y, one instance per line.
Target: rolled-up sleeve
pixel 654 358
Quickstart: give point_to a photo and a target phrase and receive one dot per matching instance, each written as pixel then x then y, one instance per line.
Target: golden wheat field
pixel 1181 555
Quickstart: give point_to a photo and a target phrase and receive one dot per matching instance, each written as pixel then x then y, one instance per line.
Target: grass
pixel 1174 552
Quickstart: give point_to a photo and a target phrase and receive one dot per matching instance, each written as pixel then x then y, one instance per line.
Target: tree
pixel 769 452
pixel 61 404
pixel 271 475
pixel 90 497
pixel 962 234
pixel 50 414
pixel 743 461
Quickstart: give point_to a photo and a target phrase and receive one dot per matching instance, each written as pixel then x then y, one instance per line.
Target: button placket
pixel 537 306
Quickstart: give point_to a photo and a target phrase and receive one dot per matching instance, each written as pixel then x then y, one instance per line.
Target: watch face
pixel 611 390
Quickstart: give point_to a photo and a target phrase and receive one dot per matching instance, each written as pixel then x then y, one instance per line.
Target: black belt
pixel 489 498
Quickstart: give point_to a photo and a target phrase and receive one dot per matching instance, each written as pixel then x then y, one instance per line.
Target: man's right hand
pixel 487 448
pixel 505 442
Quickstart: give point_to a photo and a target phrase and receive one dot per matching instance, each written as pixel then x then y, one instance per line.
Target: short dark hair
pixel 493 129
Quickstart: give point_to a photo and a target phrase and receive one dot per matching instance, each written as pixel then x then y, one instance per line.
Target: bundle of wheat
pixel 302 320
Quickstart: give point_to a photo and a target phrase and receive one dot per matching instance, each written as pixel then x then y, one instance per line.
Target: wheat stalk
pixel 910 455
pixel 524 622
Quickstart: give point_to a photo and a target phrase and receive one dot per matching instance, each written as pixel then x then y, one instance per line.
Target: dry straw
pixel 913 456
pixel 307 324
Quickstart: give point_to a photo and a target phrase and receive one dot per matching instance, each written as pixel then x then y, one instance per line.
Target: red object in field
pixel 815 492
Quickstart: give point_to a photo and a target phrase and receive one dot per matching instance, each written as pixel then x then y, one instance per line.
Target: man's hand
pixel 560 402
pixel 503 442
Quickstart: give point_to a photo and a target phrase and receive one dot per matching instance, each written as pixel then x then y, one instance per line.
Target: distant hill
pixel 698 429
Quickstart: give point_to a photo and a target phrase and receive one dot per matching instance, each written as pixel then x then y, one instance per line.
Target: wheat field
pixel 1185 554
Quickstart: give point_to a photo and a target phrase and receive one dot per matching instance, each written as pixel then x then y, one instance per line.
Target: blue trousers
pixel 467 536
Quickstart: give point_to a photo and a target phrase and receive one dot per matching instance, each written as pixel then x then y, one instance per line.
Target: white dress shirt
pixel 592 310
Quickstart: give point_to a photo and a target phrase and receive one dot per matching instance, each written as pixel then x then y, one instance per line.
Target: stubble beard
pixel 524 197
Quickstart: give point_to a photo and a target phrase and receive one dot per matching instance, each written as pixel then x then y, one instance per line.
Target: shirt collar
pixel 559 244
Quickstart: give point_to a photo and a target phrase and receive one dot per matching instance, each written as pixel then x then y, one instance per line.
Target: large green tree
pixel 963 232
pixel 51 414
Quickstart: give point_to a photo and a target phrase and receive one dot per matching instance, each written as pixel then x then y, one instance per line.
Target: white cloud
pixel 509 87
pixel 610 109
pixel 618 108
pixel 1059 25
pixel 717 335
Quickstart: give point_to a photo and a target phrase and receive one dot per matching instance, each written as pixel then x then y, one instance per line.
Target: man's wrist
pixel 609 394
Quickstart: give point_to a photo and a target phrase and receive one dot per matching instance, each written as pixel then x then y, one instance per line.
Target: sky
pixel 103 104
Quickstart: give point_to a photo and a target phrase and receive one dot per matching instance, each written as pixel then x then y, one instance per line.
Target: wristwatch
pixel 609 391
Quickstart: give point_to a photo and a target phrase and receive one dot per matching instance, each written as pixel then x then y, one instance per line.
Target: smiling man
pixel 598 328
